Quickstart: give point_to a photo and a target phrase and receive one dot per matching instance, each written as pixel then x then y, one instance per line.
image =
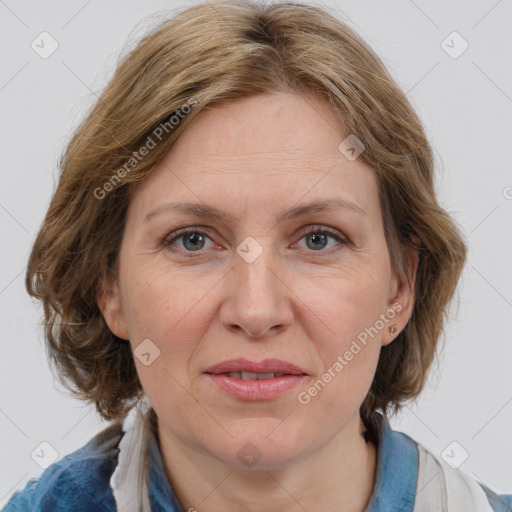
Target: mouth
pixel 253 381
pixel 252 375
pixel 245 369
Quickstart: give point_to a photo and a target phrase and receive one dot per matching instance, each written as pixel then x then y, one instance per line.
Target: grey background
pixel 465 104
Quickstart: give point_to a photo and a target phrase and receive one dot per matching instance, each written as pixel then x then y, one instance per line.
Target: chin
pixel 259 446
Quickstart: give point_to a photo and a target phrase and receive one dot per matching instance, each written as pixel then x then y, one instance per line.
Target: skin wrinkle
pixel 287 304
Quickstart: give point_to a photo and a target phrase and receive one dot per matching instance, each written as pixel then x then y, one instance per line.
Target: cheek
pixel 349 350
pixel 158 300
pixel 168 309
pixel 348 337
pixel 160 308
pixel 352 305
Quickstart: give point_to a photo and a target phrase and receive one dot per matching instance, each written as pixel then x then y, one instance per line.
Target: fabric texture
pixel 128 480
pixel 109 473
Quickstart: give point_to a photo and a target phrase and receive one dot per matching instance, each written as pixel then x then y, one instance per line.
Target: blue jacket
pixel 80 481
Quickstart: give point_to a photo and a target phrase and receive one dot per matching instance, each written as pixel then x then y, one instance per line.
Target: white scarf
pixel 128 481
pixel 441 488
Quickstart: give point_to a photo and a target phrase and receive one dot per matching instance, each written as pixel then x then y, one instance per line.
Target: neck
pixel 339 476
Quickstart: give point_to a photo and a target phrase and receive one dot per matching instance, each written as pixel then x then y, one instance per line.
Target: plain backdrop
pixel 464 99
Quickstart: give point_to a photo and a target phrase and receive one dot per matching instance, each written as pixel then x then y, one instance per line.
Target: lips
pixel 244 369
pixel 252 375
pixel 249 381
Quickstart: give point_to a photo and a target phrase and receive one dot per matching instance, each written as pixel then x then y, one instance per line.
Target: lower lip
pixel 266 389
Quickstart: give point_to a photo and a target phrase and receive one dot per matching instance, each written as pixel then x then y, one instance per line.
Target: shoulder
pixel 412 478
pixel 450 488
pixel 79 481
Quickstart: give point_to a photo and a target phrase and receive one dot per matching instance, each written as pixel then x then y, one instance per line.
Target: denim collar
pixel 395 484
pixel 397 470
pixel 161 496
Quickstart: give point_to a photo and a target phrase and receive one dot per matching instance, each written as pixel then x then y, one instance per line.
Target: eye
pixel 193 240
pixel 319 238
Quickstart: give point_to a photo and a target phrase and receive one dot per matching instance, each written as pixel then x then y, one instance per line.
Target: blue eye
pixel 193 240
pixel 320 237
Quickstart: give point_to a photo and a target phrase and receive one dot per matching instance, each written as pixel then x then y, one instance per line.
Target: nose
pixel 257 299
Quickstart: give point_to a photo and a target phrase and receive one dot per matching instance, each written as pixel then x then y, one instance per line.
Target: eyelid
pixel 324 230
pixel 320 228
pixel 177 233
pixel 169 238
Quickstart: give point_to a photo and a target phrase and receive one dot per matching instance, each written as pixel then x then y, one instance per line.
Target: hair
pixel 210 53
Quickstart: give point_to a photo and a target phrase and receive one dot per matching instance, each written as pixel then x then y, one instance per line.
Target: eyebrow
pixel 203 211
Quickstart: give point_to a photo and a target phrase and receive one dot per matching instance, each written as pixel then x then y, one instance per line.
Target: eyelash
pixel 313 230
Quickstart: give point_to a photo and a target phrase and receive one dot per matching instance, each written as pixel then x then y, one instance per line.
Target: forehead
pixel 265 150
pixel 287 124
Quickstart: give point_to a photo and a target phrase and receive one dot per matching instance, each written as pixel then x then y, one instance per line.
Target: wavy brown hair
pixel 208 53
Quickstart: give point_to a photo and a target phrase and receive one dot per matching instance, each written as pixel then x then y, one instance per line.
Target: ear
pixel 401 299
pixel 111 307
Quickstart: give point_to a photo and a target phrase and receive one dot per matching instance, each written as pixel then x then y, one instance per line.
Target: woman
pixel 245 266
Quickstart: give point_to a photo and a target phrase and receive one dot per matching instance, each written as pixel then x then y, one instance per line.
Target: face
pixel 255 284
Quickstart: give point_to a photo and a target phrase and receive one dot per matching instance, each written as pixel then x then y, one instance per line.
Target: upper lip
pixel 265 366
